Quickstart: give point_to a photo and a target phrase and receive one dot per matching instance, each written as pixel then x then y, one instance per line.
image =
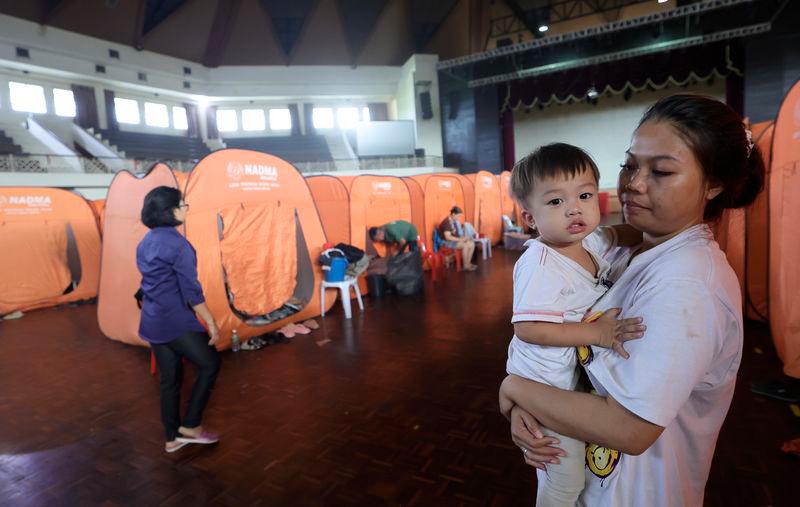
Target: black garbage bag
pixel 404 273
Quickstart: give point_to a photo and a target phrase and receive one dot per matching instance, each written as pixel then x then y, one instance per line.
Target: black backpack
pixel 353 254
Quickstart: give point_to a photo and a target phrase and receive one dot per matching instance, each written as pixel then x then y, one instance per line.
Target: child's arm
pixel 607 332
pixel 627 235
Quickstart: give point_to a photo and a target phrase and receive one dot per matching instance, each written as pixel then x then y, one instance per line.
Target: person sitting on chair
pixel 453 237
pixel 400 232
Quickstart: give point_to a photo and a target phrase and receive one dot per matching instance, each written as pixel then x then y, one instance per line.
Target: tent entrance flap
pixel 263 255
pixel 73 257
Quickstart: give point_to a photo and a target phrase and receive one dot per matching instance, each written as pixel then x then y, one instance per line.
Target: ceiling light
pixel 662 1
pixel 592 93
pixel 543 28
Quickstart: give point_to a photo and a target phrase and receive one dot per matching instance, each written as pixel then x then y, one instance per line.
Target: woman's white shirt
pixel 680 376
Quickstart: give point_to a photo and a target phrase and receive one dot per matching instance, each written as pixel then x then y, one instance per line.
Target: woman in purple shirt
pixel 172 301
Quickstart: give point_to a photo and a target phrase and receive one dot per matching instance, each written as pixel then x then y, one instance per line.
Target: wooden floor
pixel 398 408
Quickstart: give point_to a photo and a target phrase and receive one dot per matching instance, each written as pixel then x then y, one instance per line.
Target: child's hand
pixel 613 333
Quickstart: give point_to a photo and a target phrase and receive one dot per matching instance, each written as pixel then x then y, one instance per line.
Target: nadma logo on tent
pixel 235 170
pixel 382 187
pixel 487 182
pixel 264 172
pixel 28 200
pixel 446 184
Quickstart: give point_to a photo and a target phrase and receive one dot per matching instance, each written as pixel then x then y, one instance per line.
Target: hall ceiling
pixel 253 32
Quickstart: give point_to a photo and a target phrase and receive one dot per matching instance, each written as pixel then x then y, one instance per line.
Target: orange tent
pixel 99 208
pixel 442 191
pixel 504 178
pixel 417 205
pixel 181 177
pixel 469 198
pixel 347 180
pixel 729 232
pixel 333 202
pixel 757 233
pixel 49 248
pixel 488 205
pixel 117 312
pixel 374 201
pixel 257 233
pixel 511 207
pixel 784 215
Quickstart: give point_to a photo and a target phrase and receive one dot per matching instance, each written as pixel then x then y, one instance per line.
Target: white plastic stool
pixel 486 245
pixel 344 289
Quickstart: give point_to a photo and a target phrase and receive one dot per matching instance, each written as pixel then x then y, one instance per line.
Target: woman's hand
pixel 526 433
pixel 613 332
pixel 537 449
pixel 213 332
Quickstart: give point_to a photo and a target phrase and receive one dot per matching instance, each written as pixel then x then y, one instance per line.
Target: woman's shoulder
pixel 698 263
pixel 164 239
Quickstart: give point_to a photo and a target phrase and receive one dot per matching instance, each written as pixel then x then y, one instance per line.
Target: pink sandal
pixel 301 329
pixel 287 331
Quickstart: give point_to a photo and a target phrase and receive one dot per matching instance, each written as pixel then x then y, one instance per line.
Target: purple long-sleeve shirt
pixel 168 264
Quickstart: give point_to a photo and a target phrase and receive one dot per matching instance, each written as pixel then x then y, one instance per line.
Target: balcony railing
pixel 86 165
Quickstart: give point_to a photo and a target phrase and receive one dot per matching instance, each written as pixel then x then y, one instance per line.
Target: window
pixel 347 117
pixel 365 114
pixel 227 120
pixel 179 120
pixel 280 119
pixel 27 98
pixel 64 101
pixel 155 115
pixel 126 111
pixel 322 117
pixel 253 119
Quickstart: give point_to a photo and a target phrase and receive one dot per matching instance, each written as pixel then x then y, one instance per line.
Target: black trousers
pixel 169 356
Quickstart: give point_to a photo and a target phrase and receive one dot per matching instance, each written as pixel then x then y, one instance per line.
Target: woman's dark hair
pixel 455 210
pixel 159 207
pixel 373 231
pixel 718 138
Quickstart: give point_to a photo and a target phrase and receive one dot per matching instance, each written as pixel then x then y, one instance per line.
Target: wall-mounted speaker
pixel 425 105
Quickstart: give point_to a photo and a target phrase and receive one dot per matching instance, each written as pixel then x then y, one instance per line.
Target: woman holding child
pixel 652 427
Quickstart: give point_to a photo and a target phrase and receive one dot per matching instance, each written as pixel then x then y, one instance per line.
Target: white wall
pixel 604 130
pixel 406 106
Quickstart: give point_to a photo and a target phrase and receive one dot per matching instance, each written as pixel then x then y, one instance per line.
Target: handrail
pixel 35 163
